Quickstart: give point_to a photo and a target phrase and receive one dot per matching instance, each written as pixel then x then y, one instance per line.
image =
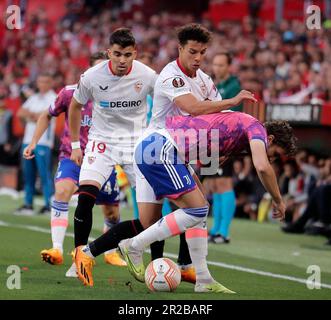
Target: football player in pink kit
pixel 67 177
pixel 162 159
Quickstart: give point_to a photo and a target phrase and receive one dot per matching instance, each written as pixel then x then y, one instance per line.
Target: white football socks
pixel 59 223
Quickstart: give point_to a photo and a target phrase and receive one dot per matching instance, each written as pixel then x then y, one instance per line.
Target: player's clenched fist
pixel 278 211
pixel 28 151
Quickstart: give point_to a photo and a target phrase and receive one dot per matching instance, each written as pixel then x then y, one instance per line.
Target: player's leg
pixel 96 168
pixel 66 181
pixel 43 160
pixel 131 177
pixel 109 198
pixel 224 204
pixel 111 219
pixel 150 211
pixel 170 177
pixel 173 224
pixel 227 205
pixel 216 210
pixel 123 230
pixel 228 208
pixel 158 163
pixel 29 178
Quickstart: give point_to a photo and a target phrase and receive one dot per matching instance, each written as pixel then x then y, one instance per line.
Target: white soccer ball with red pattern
pixel 162 275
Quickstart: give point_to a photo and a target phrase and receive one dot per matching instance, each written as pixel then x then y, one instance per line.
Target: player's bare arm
pixel 267 177
pixel 42 125
pixel 194 107
pixel 74 128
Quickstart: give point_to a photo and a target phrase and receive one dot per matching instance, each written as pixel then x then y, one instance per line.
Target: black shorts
pixel 225 171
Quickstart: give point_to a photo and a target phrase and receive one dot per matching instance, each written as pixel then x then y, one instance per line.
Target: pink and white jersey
pixel 61 105
pixel 228 131
pixel 174 82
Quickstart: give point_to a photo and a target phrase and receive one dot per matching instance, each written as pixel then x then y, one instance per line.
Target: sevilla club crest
pixel 138 86
pixel 90 159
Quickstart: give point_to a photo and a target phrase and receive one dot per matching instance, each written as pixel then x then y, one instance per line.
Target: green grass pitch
pixel 254 247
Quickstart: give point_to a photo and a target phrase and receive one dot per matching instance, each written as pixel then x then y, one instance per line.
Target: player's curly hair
pixel 284 136
pixel 123 37
pixel 193 31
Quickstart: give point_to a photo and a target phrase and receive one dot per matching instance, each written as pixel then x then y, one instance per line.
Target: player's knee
pixel 63 194
pixel 197 214
pixel 86 198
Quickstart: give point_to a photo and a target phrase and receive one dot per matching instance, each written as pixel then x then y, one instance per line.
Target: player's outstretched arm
pixel 267 177
pixel 41 126
pixel 191 105
pixel 74 129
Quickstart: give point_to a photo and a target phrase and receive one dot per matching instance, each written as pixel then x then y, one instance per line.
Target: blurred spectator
pixel 9 144
pixel 227 84
pixel 316 218
pixel 292 189
pixel 41 163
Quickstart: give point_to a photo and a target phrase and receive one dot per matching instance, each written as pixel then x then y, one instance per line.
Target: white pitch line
pixel 171 255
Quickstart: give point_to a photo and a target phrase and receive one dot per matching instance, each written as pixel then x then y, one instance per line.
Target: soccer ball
pixel 162 275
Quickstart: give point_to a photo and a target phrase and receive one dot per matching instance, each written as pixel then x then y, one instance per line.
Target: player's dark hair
pixel 226 54
pixel 123 37
pixel 100 55
pixel 193 31
pixel 284 136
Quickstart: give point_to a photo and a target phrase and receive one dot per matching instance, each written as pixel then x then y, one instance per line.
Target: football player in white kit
pixel 118 89
pixel 181 89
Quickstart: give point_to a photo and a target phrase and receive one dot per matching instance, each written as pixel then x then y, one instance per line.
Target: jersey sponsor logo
pixel 103 88
pixel 86 121
pixel 178 82
pixel 138 86
pixel 120 104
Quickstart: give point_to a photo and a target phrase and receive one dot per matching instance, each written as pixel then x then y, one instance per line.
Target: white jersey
pixel 172 83
pixel 38 103
pixel 119 103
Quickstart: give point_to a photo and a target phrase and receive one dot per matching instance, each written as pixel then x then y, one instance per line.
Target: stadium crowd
pixel 283 63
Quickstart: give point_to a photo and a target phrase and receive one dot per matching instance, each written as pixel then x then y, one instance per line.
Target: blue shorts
pixel 109 193
pixel 157 159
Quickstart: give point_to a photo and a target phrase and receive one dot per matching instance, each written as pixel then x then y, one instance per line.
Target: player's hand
pixel 76 156
pixel 278 210
pixel 28 151
pixel 243 95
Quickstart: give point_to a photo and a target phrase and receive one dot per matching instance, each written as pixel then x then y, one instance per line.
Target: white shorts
pixel 99 162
